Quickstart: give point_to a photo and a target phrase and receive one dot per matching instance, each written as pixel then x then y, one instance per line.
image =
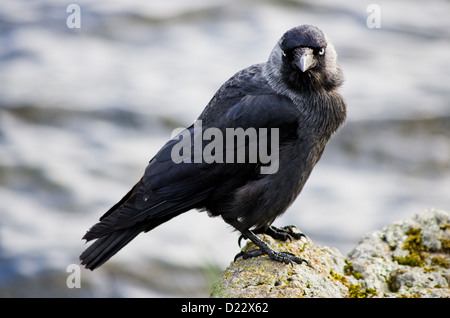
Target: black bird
pixel 295 91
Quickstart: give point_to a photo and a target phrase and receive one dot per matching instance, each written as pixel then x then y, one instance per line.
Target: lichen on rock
pixel 407 258
pixel 410 258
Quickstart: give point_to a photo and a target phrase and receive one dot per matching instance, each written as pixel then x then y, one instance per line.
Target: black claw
pixel 295 235
pixel 240 239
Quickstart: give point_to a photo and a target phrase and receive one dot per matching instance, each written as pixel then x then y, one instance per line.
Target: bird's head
pixel 304 60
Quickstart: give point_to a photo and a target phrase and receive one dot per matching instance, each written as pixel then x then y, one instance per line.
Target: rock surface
pixel 410 258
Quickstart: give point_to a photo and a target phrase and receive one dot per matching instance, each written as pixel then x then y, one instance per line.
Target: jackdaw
pixel 296 93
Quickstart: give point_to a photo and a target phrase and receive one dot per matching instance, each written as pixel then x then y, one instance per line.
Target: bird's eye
pixel 322 51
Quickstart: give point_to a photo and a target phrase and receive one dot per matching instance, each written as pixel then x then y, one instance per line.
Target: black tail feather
pixel 107 246
pixel 124 221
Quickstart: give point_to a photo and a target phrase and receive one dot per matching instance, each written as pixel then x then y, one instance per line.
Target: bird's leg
pixel 283 257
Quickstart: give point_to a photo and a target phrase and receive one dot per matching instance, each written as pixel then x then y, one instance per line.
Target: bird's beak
pixel 305 58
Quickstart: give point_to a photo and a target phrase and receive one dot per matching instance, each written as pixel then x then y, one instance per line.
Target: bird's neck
pixel 325 111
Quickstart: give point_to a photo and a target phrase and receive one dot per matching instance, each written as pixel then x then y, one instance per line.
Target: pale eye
pixel 322 51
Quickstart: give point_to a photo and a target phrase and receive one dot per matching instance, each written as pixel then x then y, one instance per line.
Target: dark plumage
pixel 295 91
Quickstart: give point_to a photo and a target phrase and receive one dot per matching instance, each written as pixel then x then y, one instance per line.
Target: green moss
pixel 418 253
pixel 414 295
pixel 413 244
pixel 393 282
pixel 354 290
pixel 349 270
pixel 412 259
pixel 338 277
pixel 445 245
pixel 414 241
pixel 358 276
pixel 440 261
pixel 429 269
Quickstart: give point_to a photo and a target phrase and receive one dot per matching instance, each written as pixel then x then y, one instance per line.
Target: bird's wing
pixel 193 182
pixel 169 188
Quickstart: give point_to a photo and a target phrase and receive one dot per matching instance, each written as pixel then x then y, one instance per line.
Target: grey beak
pixel 305 59
pixel 305 62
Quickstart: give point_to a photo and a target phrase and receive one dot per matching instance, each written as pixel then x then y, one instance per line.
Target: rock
pixel 262 277
pixel 410 258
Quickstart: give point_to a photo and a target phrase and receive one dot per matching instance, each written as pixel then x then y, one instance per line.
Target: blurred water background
pixel 83 110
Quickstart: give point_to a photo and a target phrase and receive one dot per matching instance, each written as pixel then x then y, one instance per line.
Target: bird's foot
pixel 282 257
pixel 289 232
pixel 264 249
pixel 284 233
